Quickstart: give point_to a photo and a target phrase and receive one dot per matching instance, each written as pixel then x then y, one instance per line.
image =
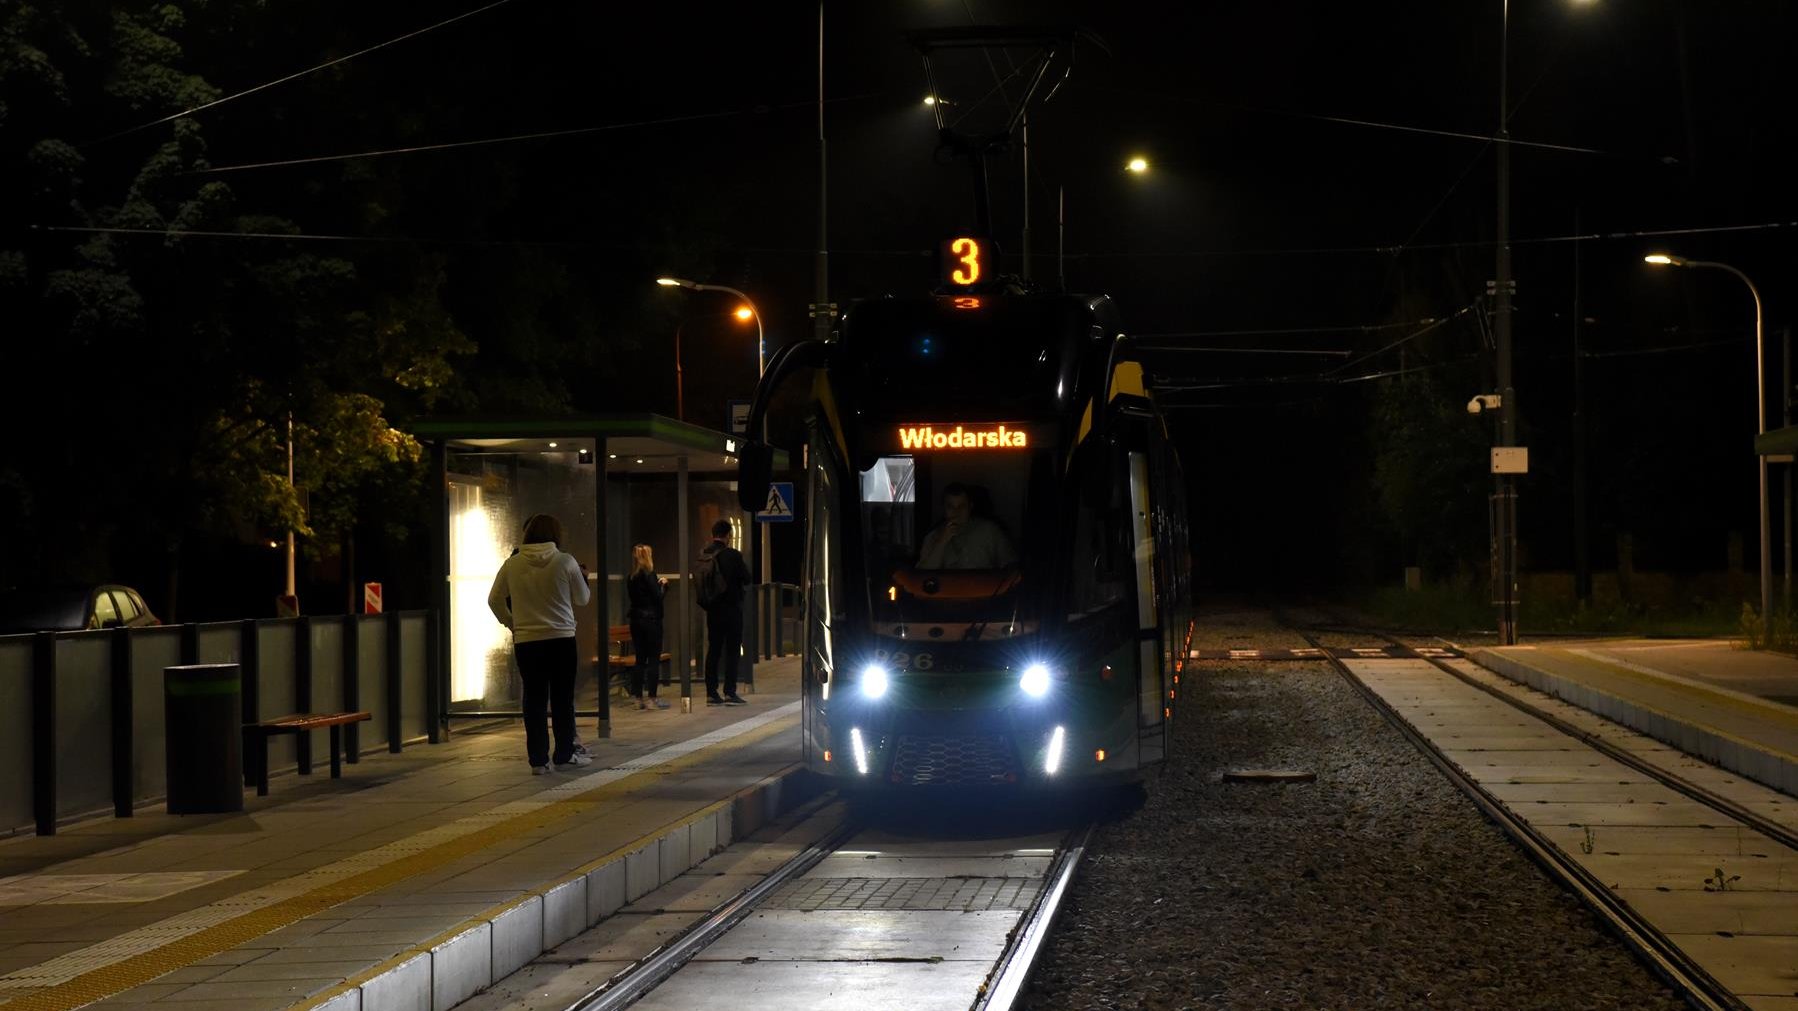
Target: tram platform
pixel 413 882
pixel 1736 708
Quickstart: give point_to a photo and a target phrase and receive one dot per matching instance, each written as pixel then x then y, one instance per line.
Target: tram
pixel 997 586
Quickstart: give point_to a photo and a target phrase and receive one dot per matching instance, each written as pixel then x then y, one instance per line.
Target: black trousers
pixel 724 641
pixel 646 642
pixel 547 668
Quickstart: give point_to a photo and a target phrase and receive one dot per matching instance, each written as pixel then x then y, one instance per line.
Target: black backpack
pixel 709 582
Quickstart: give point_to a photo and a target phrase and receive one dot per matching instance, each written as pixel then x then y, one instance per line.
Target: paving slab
pixel 826 986
pixel 873 865
pixel 1735 912
pixel 866 934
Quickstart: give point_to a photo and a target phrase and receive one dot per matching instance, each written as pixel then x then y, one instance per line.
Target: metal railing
pixel 777 618
pixel 81 713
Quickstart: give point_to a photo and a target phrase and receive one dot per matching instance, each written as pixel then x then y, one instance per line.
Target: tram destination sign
pixel 915 438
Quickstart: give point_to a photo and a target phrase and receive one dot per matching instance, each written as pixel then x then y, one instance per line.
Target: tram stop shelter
pixel 613 482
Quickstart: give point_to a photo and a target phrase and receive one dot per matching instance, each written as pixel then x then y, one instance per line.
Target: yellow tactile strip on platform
pixel 190 942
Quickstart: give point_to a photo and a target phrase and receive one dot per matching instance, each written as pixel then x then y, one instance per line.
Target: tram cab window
pixel 948 537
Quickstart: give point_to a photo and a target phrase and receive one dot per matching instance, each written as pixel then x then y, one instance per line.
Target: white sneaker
pixel 539 770
pixel 575 761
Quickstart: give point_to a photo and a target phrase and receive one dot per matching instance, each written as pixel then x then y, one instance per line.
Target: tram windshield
pixel 948 543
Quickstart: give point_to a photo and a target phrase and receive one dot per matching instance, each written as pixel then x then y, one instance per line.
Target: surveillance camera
pixel 1484 402
pixel 1474 406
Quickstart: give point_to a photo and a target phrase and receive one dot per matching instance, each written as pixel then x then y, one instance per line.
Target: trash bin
pixel 203 723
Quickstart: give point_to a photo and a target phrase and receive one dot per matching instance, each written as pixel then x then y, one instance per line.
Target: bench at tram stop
pixel 620 658
pixel 256 736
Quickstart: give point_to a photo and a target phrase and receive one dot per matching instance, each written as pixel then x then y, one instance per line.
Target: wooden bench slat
pixel 309 721
pixel 256 738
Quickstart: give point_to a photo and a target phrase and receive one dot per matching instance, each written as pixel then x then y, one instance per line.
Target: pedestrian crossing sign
pixel 780 504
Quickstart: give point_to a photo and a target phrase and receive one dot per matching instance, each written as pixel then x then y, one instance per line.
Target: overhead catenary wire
pixel 1413 335
pixel 1378 125
pixel 1351 328
pixel 520 137
pixel 299 74
pixel 926 252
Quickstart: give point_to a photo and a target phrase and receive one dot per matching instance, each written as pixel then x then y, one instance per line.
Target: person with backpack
pixel 534 594
pixel 718 583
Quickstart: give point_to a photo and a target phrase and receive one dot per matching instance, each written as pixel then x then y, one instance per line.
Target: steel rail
pixel 1694 983
pixel 650 971
pixel 1779 833
pixel 1005 984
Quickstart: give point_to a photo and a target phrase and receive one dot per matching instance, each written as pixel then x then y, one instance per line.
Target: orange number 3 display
pixel 967 254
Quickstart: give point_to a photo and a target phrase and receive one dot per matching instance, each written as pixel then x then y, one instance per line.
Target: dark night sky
pixel 1260 214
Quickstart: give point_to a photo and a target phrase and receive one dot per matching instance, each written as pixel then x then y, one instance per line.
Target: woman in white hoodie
pixel 535 594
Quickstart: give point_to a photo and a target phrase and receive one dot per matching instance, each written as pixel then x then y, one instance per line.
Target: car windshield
pixel 42 610
pixel 947 556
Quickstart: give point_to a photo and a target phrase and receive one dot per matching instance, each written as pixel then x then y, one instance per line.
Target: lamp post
pixel 1504 499
pixel 1760 417
pixel 761 366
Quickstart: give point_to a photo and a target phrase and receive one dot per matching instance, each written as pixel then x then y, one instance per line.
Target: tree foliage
pixel 180 357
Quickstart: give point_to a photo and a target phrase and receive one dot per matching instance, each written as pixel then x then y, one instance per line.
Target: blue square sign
pixel 780 504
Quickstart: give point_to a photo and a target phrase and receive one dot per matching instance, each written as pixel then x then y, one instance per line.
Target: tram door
pixel 1151 683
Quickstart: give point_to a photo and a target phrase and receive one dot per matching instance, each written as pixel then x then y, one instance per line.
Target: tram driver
pixel 963 540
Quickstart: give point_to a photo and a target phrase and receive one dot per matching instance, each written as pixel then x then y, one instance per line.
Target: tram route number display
pixel 964 261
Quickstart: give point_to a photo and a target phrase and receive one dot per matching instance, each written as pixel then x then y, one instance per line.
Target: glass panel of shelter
pixel 493 490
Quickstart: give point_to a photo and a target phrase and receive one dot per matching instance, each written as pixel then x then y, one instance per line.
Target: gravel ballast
pixel 1377 885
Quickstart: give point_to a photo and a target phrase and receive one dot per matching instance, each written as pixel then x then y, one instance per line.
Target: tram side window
pixel 1100 566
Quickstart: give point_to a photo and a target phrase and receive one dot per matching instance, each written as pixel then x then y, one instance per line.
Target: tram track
pixel 1001 985
pixel 1666 958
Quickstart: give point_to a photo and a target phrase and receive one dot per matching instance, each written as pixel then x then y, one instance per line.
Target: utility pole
pixel 822 311
pixel 1504 512
pixel 1786 399
pixel 1582 545
pixel 290 593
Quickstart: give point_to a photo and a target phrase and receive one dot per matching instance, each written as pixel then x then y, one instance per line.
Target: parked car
pixel 72 608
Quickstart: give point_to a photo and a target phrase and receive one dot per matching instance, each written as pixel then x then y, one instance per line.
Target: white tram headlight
pixel 875 681
pixel 1035 681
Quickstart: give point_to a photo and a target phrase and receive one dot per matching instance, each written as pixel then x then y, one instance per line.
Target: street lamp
pixel 1138 165
pixel 1760 417
pixel 743 312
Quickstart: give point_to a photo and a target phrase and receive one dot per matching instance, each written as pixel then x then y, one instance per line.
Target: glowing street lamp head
pixel 667 282
pixel 1138 165
pixel 929 99
pixel 744 313
pixel 1664 260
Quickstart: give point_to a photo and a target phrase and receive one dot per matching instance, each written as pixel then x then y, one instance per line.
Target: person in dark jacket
pixel 646 590
pixel 723 615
